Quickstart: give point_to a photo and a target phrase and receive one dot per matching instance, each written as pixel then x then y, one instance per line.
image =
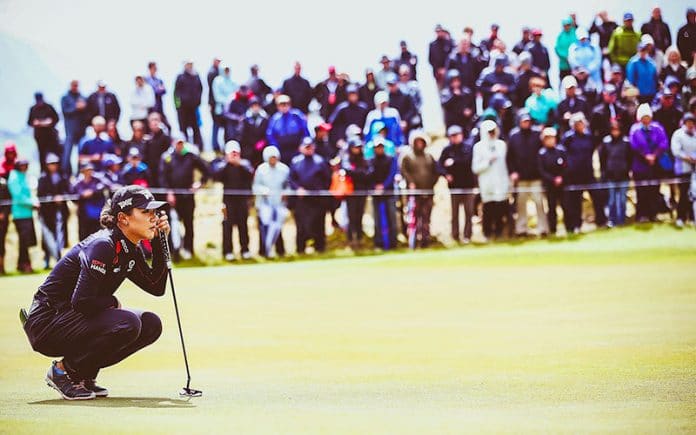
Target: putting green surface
pixel 596 334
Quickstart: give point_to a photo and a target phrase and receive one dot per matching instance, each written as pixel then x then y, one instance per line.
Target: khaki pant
pixel 538 198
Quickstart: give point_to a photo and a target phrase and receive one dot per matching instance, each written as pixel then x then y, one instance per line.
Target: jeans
pixel 468 200
pixel 385 221
pixel 617 205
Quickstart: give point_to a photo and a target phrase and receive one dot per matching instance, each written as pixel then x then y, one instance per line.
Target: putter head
pixel 190 392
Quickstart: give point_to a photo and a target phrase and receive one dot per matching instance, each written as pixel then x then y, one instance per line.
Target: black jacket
pixel 112 110
pixel 686 41
pixel 253 130
pixel 238 177
pixel 176 170
pixel 575 105
pixel 367 94
pixel 659 30
pixel 324 96
pixel 455 160
pixel 438 53
pixel 309 173
pixel 50 187
pixel 469 66
pixel 600 121
pixel 212 73
pixel 579 149
pixel 540 56
pixel 669 118
pixel 454 105
pixel 615 158
pixel 523 148
pixel 155 146
pixel 188 90
pixel 359 171
pixel 44 134
pixel 299 91
pixel 604 31
pixel 345 115
pixel 404 104
pixel 552 163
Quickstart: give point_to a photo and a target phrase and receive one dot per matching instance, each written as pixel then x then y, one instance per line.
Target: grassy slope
pixel 594 334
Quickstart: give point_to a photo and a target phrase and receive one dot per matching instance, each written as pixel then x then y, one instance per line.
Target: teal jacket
pixel 541 106
pixel 563 43
pixel 22 198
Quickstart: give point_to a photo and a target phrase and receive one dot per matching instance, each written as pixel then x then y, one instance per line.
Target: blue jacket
pixel 642 74
pixel 286 131
pixel 310 173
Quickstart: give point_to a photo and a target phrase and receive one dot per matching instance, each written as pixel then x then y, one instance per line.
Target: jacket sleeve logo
pixel 98 266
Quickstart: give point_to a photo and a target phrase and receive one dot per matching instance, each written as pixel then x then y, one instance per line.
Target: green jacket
pixel 22 198
pixel 623 44
pixel 563 43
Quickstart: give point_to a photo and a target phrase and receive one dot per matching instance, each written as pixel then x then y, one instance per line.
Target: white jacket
pixel 142 100
pixel 683 145
pixel 492 174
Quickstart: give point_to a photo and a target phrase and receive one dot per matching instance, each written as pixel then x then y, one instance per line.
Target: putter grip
pixel 165 249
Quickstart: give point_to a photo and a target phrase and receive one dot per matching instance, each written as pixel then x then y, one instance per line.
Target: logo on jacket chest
pixel 98 266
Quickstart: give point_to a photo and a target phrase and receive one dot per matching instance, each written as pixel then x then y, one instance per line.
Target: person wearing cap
pixel 641 72
pixel 523 147
pixel 525 72
pixel 43 119
pixel 135 171
pixel 384 169
pixel 103 103
pixel 309 172
pixel 253 132
pixel 455 162
pixel 486 45
pixel 501 112
pixel 75 314
pixel 187 98
pixel 572 103
pixel 458 103
pixel 90 191
pixel 111 175
pixel 609 110
pixel 323 145
pixel 438 53
pixel 286 128
pixel 552 162
pixel 235 174
pixel 369 89
pixel 329 93
pixel 489 164
pixel 683 147
pixel 539 53
pixel 648 141
pixel 54 214
pixel 497 81
pixel 23 205
pixel 350 112
pixel 524 40
pixel 623 42
pixel 357 169
pixel 686 37
pixel 542 102
pixel 404 104
pixel 585 54
pixel 271 179
pixel 234 112
pixel 564 40
pixel 380 132
pixel 142 100
pixel 299 90
pixel 385 73
pixel 603 26
pixel 580 148
pixel 157 142
pixel 409 86
pixel 74 106
pixel 408 59
pixel 658 29
pixel 667 112
pixel 468 61
pixel 223 90
pixel 615 158
pixel 388 117
pixel 91 150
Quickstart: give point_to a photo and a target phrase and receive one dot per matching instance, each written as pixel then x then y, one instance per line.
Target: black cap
pixel 130 197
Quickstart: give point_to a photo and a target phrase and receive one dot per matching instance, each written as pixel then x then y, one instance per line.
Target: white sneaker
pixel 246 255
pixel 185 255
pixel 229 257
pixel 679 223
pixel 466 241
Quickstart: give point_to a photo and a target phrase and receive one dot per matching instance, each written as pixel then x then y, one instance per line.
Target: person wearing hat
pixel 404 104
pixel 641 72
pixel 309 172
pixel 53 214
pixel 357 168
pixel 369 89
pixel 385 73
pixel 234 112
pixel 408 59
pixel 387 117
pixel 586 55
pixel 458 104
pixel 135 171
pixel 90 191
pixel 103 103
pixel 329 93
pixel 525 72
pixel 142 100
pixel 500 111
pixel 498 81
pixel 523 147
pixel 384 170
pixel 539 53
pixel 667 112
pixel 43 119
pixel 572 103
pixel 286 128
pixel 552 162
pixel 564 40
pixel 607 111
pixel 23 204
pixel 686 37
pixel 235 174
pixel 298 89
pixel 615 157
pixel 223 90
pixel 75 315
pixel 438 54
pixel 271 179
pixel 74 106
pixel 603 26
pixel 111 175
pixel 648 141
pixel 542 102
pixel 381 132
pixel 253 132
pixel 623 42
pixel 324 146
pixel 683 147
pixel 580 148
pixel 489 164
pixel 455 161
pixel 468 61
pixel 350 112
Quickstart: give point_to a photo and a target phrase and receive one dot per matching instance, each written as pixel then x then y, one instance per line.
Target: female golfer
pixel 75 314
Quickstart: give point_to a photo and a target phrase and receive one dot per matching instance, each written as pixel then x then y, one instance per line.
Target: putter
pixel 187 391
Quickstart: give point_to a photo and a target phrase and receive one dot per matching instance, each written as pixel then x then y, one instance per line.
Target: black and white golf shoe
pixel 60 381
pixel 90 384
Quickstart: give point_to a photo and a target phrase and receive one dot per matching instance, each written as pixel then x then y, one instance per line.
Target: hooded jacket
pixel 493 179
pixel 270 181
pixel 419 167
pixel 8 162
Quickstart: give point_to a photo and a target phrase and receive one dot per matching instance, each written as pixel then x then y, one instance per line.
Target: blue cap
pixel 628 16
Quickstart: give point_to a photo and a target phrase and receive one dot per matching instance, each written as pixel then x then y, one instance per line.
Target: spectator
pixel 615 160
pixel 623 42
pixel 617 79
pixel 608 111
pixel 522 44
pixel 112 133
pixel 234 173
pixel 187 97
pixel 438 54
pixel 388 116
pixel 224 89
pixel 586 55
pixel 142 100
pixel 649 142
pixel 53 214
pixel 111 174
pixel 385 73
pixel 404 104
pixel 409 86
pixel 309 172
pixel 299 91
pixel 523 148
pixel 323 145
pixel 497 81
pixel 384 169
pixel 525 72
pixel 176 172
pixel 253 134
pixel 286 129
pixel 92 150
pixel 90 191
pixel 552 162
pixel 572 103
pixel 604 27
pixel 455 161
pixel 406 58
pixel 214 104
pixel 500 111
pixel 329 93
pixel 4 220
pixel 683 148
pixel 673 67
pixel 487 44
pixel 563 42
pixel 358 169
pixel 135 171
pixel 43 119
pixel 157 86
pixel 368 90
pixel 668 114
pixel 580 148
pixel 137 140
pixel 641 72
pixel 379 129
pixel 234 112
pixel 103 103
pixel 156 144
pixel 686 37
pixel 488 163
pixel 257 85
pixel 352 111
pixel 23 205
pixel 689 89
pixel 542 103
pixel 539 53
pixel 458 104
pixel 270 181
pixel 467 60
pixel 74 108
pixel 9 159
pixel 420 171
pixel 658 29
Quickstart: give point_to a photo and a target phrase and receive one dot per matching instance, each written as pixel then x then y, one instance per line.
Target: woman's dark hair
pixel 107 219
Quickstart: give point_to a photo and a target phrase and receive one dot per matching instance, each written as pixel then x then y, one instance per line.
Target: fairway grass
pixel 593 334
